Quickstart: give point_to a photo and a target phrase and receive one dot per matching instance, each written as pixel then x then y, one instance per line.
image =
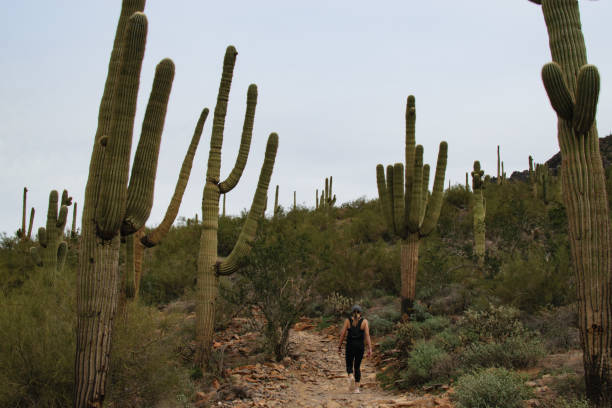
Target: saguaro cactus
pixel 115 201
pixel 328 198
pixel 479 211
pixel 210 266
pixel 572 86
pixel 408 209
pixel 21 233
pixel 136 243
pixel 50 254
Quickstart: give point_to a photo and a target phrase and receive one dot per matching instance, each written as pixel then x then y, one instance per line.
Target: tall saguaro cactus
pixel 479 211
pixel 50 254
pixel 210 266
pixel 408 209
pixel 572 86
pixel 116 203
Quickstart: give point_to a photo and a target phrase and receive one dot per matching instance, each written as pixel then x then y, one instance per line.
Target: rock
pixel 332 404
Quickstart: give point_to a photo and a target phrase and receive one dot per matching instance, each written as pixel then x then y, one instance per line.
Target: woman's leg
pixel 358 357
pixel 349 357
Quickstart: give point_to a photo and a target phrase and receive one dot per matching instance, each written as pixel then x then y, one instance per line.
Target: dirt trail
pixel 315 377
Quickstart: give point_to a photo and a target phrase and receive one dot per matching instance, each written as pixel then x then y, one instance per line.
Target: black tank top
pixel 355 334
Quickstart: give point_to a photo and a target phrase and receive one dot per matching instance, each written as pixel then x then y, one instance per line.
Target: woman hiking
pixel 358 330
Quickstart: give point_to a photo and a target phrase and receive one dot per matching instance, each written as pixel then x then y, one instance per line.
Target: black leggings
pixel 354 354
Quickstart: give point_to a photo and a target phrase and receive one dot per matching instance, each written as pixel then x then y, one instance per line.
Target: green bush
pixel 145 368
pixel 422 362
pixel 514 352
pixel 491 388
pixel 496 324
pixel 37 343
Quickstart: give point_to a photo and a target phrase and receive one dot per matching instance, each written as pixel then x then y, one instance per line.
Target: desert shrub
pixel 447 339
pixel 558 327
pixel 408 333
pixel 379 325
pixel 337 305
pixel 453 299
pixel 37 343
pixel 536 278
pixel 144 366
pixel 514 352
pixel 279 275
pixel 491 388
pixel 496 323
pixel 424 360
pixel 457 196
pixel 170 268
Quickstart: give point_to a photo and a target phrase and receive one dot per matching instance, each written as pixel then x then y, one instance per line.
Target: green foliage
pixel 37 343
pixel 144 367
pixel 280 275
pixel 423 361
pixel 514 352
pixel 491 388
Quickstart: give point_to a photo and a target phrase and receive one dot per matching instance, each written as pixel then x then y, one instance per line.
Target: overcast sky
pixel 333 78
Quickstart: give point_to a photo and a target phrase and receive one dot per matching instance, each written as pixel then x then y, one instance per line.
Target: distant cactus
pixel 210 266
pixel 294 201
pixel 479 212
pixel 409 211
pixel 543 182
pixel 21 233
pixel 572 86
pixel 276 206
pixel 116 203
pixel 327 199
pixel 223 214
pixel 50 254
pixel 73 233
pixel 498 167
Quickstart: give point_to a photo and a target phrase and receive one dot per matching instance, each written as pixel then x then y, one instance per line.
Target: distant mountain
pixel 554 163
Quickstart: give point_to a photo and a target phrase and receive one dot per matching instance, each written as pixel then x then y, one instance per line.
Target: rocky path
pixel 314 377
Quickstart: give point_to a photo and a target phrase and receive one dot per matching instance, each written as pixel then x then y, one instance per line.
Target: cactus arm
pixel 276 200
pixel 110 208
pixel 51 216
pixel 233 262
pixel 74 216
pixel 23 215
pixel 398 198
pixel 410 143
pixel 414 215
pixel 435 202
pixel 383 196
pixel 245 143
pixel 62 250
pixel 32 212
pixel 425 194
pixel 317 199
pixel 558 93
pixel 587 95
pixel 216 140
pixel 142 179
pixel 154 237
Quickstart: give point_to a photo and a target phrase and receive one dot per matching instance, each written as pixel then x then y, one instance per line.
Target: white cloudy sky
pixel 333 78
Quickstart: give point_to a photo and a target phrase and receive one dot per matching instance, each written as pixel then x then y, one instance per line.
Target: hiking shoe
pixel 357 391
pixel 351 382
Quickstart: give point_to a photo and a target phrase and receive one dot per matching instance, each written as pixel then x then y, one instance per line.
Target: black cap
pixel 356 308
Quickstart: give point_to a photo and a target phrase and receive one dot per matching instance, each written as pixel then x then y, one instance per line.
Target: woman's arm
pixel 342 335
pixel 366 329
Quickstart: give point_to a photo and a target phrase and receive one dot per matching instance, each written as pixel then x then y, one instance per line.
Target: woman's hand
pixel 339 349
pixel 369 353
